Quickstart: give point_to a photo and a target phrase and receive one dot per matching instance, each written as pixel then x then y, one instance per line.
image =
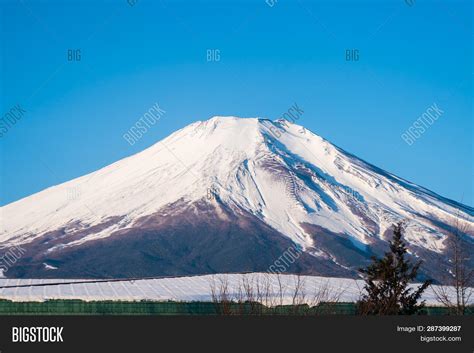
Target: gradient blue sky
pixel 271 57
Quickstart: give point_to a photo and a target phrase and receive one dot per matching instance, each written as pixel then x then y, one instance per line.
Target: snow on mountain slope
pixel 281 173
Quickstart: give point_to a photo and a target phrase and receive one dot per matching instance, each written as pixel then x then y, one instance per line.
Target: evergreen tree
pixel 387 279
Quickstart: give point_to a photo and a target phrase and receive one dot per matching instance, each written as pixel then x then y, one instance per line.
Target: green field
pixel 79 307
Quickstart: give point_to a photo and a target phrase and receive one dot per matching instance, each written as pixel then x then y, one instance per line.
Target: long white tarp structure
pixel 272 288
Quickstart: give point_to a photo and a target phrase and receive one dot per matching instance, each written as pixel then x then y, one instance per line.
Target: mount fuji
pixel 228 195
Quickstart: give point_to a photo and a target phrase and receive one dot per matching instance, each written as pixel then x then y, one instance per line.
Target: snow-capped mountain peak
pixel 277 172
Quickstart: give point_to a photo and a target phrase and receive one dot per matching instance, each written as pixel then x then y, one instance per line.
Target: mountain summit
pixel 225 195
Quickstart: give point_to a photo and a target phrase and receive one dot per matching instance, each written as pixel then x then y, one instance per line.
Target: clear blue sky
pixel 271 57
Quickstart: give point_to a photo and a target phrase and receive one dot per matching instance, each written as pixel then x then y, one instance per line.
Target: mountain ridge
pixel 295 182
